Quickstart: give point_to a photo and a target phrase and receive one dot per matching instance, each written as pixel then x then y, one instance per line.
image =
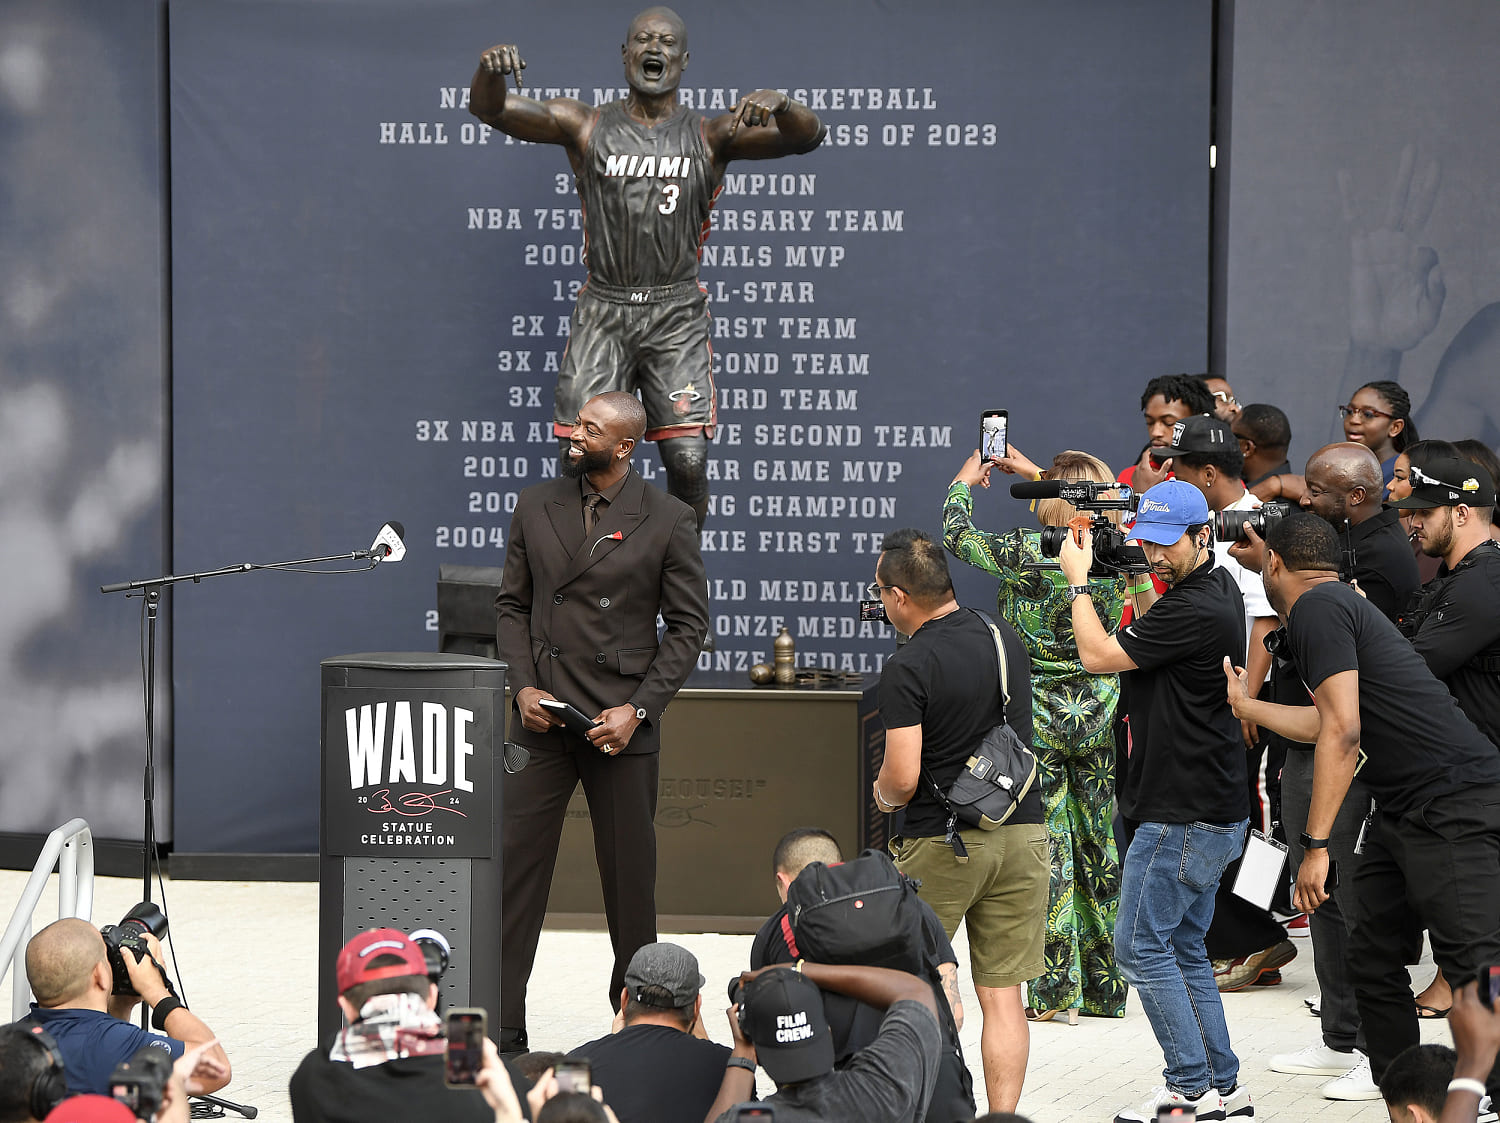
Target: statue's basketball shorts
pixel 654 341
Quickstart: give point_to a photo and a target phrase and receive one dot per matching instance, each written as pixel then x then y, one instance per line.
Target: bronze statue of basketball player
pixel 648 171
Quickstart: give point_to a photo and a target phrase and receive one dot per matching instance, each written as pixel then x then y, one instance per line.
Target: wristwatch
pixel 1311 843
pixel 640 713
pixel 1076 591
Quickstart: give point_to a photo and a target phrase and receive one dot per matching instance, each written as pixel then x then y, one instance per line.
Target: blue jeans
pixel 1167 885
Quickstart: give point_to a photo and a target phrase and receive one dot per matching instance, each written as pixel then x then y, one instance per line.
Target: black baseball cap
pixel 1202 432
pixel 781 1012
pixel 1447 482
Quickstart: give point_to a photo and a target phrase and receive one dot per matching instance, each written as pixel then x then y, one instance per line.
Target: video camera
pixel 1111 552
pixel 130 933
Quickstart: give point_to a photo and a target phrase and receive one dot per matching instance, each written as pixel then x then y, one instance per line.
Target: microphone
pixel 389 544
pixel 1036 489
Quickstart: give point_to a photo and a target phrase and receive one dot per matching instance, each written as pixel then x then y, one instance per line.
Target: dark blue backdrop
pixel 1040 243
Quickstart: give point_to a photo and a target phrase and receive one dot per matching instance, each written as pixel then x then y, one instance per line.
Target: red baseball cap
pixel 90 1109
pixel 355 959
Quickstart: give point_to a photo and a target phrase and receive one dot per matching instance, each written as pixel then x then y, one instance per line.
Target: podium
pixel 409 824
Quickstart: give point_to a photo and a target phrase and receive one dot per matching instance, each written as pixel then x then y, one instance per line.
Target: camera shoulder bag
pixel 995 778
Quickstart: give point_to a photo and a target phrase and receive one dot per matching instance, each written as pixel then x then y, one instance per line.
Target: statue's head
pixel 655 51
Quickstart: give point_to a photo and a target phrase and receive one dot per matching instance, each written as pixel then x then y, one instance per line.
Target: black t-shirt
pixel 405 1090
pixel 1415 743
pixel 1187 757
pixel 656 1074
pixel 1460 636
pixel 947 680
pixel 1383 562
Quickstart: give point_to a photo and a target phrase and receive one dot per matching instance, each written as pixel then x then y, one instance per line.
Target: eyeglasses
pixel 1226 397
pixel 1364 411
pixel 875 588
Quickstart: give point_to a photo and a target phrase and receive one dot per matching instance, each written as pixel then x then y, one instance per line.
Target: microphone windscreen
pixel 398 528
pixel 1036 489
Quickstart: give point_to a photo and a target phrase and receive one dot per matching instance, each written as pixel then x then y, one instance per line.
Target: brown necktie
pixel 591 511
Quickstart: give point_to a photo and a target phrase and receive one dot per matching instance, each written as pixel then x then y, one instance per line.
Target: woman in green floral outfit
pixel 1073 712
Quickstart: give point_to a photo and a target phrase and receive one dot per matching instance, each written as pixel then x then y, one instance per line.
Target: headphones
pixel 50 1087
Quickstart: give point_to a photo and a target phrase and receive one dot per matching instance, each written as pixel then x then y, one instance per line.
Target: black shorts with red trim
pixel 654 341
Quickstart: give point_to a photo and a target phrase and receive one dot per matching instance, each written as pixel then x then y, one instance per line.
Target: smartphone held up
pixel 464 1055
pixel 993 438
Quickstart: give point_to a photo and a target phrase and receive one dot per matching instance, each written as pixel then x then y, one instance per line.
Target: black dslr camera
pixel 129 933
pixel 1111 553
pixel 141 1081
pixel 1229 526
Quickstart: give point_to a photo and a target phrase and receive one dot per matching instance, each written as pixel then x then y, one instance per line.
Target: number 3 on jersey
pixel 671 191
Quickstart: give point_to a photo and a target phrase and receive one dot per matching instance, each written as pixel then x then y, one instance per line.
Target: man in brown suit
pixel 593 557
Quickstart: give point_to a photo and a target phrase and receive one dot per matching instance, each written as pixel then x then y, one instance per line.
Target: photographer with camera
pixel 778 1023
pixel 1183 792
pixel 1072 713
pixel 85 992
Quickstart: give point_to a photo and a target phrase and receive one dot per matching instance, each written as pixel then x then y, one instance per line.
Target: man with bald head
pixel 69 972
pixel 592 558
pixel 1345 489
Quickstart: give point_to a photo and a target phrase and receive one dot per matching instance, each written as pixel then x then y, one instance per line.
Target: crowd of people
pixel 1314 657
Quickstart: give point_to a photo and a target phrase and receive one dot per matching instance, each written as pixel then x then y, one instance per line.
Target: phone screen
pixel 993 434
pixel 465 1053
pixel 574 1076
pixel 1489 986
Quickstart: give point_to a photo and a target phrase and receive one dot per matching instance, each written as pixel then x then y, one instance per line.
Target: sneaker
pixel 1236 974
pixel 1356 1084
pixel 1315 1060
pixel 1236 1105
pixel 1268 979
pixel 1297 927
pixel 1206 1106
pixel 1486 1111
pixel 1314 1004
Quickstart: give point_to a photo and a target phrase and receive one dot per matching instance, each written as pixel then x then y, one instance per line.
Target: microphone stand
pixel 150 588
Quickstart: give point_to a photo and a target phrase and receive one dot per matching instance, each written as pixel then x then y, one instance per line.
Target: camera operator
pixel 1456 625
pixel 1432 843
pixel 67 965
pixel 1245 943
pixel 1183 791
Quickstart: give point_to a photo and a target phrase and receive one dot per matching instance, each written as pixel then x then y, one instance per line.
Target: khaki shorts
pixel 1000 893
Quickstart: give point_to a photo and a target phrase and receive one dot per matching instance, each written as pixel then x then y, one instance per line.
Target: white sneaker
pixel 1206 1106
pixel 1314 1004
pixel 1236 1105
pixel 1356 1084
pixel 1315 1060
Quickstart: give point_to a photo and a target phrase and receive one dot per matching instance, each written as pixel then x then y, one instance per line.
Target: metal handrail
pixel 69 850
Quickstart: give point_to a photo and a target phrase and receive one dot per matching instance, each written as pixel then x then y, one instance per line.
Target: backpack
pixel 867 913
pixel 862 912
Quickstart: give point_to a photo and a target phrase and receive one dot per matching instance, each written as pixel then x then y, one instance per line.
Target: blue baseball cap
pixel 1166 511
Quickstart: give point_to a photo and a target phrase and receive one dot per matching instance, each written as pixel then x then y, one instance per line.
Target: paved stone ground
pixel 246 954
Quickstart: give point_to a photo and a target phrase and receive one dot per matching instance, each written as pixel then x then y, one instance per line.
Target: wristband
pixel 163 1010
pixel 1310 843
pixel 740 1062
pixel 1467 1084
pixel 1137 590
pixel 798 967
